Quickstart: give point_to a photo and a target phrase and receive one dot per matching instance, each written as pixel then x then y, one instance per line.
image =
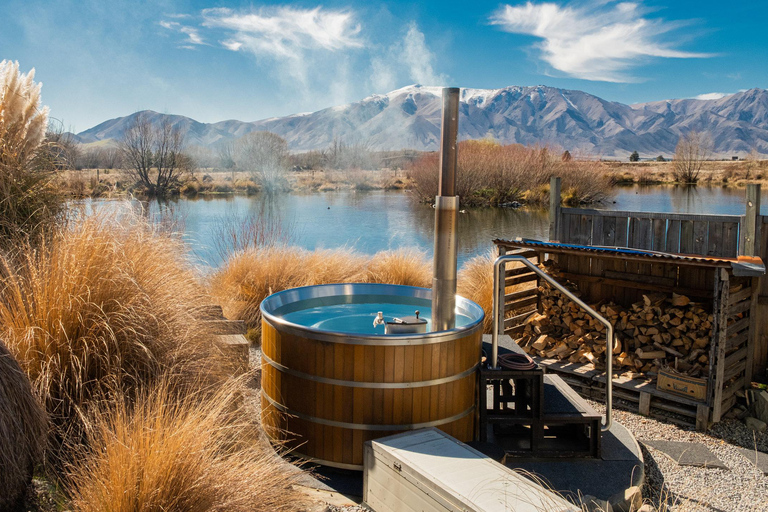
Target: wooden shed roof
pixel 742 266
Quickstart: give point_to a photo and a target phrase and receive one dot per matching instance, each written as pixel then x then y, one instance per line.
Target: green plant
pixel 634 157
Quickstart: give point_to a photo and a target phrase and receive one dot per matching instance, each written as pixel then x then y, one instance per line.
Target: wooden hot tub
pixel 326 390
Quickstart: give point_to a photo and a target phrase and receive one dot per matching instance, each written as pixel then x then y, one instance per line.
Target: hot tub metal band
pixel 369 385
pixel 365 426
pixel 396 340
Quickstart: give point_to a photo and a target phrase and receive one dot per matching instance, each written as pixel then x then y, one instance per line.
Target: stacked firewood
pixel 660 331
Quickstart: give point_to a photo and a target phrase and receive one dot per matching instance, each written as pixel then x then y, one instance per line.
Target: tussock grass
pixel 475 282
pixel 202 454
pixel 407 266
pixel 251 275
pixel 23 425
pixel 102 309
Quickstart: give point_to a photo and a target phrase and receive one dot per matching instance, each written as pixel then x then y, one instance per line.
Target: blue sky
pixel 217 60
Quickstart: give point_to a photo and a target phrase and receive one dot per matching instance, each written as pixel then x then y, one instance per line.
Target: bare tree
pixel 60 149
pixel 693 148
pixel 152 154
pixel 265 156
pixel 355 155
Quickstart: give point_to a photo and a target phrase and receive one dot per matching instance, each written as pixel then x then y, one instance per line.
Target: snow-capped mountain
pixel 573 120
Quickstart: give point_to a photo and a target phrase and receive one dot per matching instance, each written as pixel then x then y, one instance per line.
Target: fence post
pixel 752 222
pixel 554 208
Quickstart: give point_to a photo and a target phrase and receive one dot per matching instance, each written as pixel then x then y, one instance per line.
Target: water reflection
pixel 377 220
pixel 681 199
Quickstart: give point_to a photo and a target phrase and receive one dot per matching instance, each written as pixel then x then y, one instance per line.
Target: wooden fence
pixel 725 236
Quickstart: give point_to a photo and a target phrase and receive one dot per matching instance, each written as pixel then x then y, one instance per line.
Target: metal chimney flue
pixel 446 218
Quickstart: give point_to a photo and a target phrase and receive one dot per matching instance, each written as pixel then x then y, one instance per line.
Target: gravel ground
pixel 741 488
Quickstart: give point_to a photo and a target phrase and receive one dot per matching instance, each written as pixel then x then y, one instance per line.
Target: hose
pixel 514 361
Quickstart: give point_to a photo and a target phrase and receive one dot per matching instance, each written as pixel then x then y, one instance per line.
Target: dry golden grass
pixel 408 266
pixel 103 308
pixel 475 282
pixel 23 426
pixel 249 276
pixel 199 454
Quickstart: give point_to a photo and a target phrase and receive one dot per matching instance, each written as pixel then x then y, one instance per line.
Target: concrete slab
pixel 759 459
pixel 686 454
pixel 619 468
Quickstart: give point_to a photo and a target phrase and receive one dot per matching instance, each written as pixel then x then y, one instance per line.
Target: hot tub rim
pixel 374 339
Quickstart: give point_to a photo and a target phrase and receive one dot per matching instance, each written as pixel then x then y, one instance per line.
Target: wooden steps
pixel 533 414
pixel 228 335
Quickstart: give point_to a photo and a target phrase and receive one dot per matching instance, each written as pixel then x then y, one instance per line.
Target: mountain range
pixel 409 118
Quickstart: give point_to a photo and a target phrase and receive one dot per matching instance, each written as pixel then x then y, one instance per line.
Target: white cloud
pixel 409 60
pixel 712 95
pixel 282 31
pixel 298 41
pixel 319 56
pixel 193 34
pixel 600 40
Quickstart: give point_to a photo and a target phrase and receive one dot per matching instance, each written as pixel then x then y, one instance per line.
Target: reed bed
pixel 102 309
pixel 23 426
pixel 201 454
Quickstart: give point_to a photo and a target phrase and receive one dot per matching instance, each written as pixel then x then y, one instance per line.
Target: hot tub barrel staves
pixel 325 394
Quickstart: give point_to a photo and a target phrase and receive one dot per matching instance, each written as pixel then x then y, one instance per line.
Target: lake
pixel 378 220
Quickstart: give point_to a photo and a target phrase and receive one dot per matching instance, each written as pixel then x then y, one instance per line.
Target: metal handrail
pixel 498 317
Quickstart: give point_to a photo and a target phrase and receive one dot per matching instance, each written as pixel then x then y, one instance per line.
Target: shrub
pixel 103 308
pixel 22 431
pixel 407 266
pixel 490 174
pixel 29 201
pixel 200 454
pixel 692 150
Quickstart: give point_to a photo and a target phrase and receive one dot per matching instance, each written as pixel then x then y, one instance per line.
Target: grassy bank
pixel 110 183
pixel 713 173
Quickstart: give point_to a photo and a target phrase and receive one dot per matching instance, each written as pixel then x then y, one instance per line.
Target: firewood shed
pixel 667 298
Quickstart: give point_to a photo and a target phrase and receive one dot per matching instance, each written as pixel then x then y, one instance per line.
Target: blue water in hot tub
pixel 358 318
